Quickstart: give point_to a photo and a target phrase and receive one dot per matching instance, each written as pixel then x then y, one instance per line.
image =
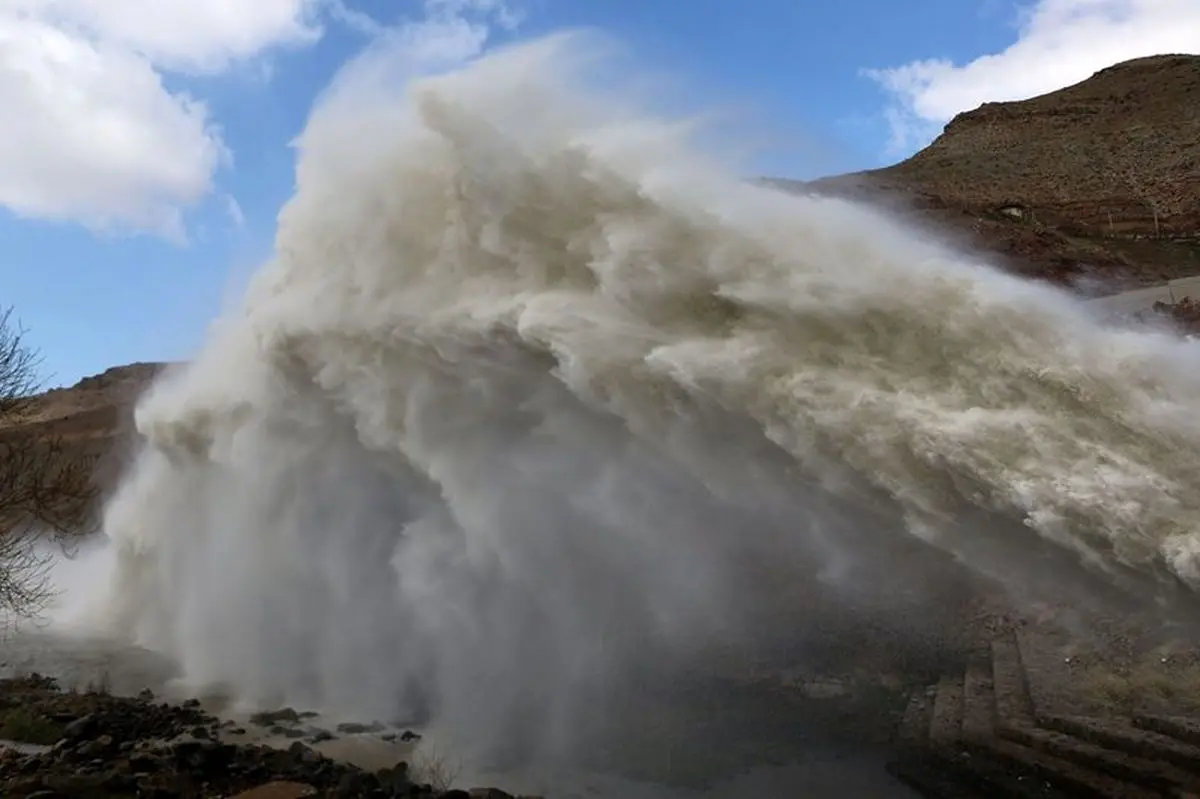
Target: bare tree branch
pixel 46 492
pixel 19 365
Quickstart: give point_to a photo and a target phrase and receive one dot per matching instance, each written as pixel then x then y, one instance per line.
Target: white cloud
pixel 195 36
pixel 90 132
pixel 354 19
pixel 1059 42
pixel 452 31
pixel 234 210
pixel 496 11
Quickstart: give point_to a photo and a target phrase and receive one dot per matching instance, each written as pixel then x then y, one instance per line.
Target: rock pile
pixel 96 745
pixel 1185 313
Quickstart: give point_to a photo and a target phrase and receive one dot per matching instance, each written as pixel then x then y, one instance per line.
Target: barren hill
pixel 90 421
pixel 1100 179
pixel 105 400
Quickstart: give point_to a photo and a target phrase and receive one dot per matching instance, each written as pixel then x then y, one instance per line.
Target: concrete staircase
pixel 1000 730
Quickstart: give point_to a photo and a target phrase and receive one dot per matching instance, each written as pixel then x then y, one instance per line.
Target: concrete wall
pixel 1185 288
pixel 1137 300
pixel 1144 299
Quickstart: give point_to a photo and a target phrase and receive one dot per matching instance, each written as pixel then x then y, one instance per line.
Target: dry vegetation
pixel 1122 689
pixel 433 768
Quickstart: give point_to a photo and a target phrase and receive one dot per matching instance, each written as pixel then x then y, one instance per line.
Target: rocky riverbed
pixel 773 734
pixel 82 744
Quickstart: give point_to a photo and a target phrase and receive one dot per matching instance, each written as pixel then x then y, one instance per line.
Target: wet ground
pixel 693 740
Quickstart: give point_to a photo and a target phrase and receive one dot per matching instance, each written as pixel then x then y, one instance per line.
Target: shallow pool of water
pixel 697 740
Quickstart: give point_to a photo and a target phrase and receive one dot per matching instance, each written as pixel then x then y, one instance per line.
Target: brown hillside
pixel 96 407
pixel 1100 179
pixel 89 422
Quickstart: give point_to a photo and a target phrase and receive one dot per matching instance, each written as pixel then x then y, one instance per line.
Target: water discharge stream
pixel 533 399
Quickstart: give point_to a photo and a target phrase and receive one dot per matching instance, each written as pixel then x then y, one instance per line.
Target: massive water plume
pixel 533 394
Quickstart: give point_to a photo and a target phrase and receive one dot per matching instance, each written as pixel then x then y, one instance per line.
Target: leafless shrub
pixel 432 768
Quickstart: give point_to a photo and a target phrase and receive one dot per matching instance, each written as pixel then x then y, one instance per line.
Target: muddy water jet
pixel 533 399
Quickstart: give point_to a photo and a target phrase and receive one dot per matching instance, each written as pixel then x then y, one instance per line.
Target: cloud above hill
pixel 1059 43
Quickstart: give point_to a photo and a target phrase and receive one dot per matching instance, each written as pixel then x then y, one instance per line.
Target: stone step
pixel 1060 777
pixel 1049 681
pixel 945 725
pixel 973 758
pixel 1011 692
pixel 931 771
pixel 979 706
pixel 948 768
pixel 1000 702
pixel 963 774
pixel 977 735
pixel 1161 779
pixel 1061 760
pixel 980 720
pixel 914 725
pixel 1131 740
pixel 1186 730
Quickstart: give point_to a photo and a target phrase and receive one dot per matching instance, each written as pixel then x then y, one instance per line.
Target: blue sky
pixel 145 151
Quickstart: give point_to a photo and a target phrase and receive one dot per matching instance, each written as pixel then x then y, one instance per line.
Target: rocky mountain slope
pixel 1095 183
